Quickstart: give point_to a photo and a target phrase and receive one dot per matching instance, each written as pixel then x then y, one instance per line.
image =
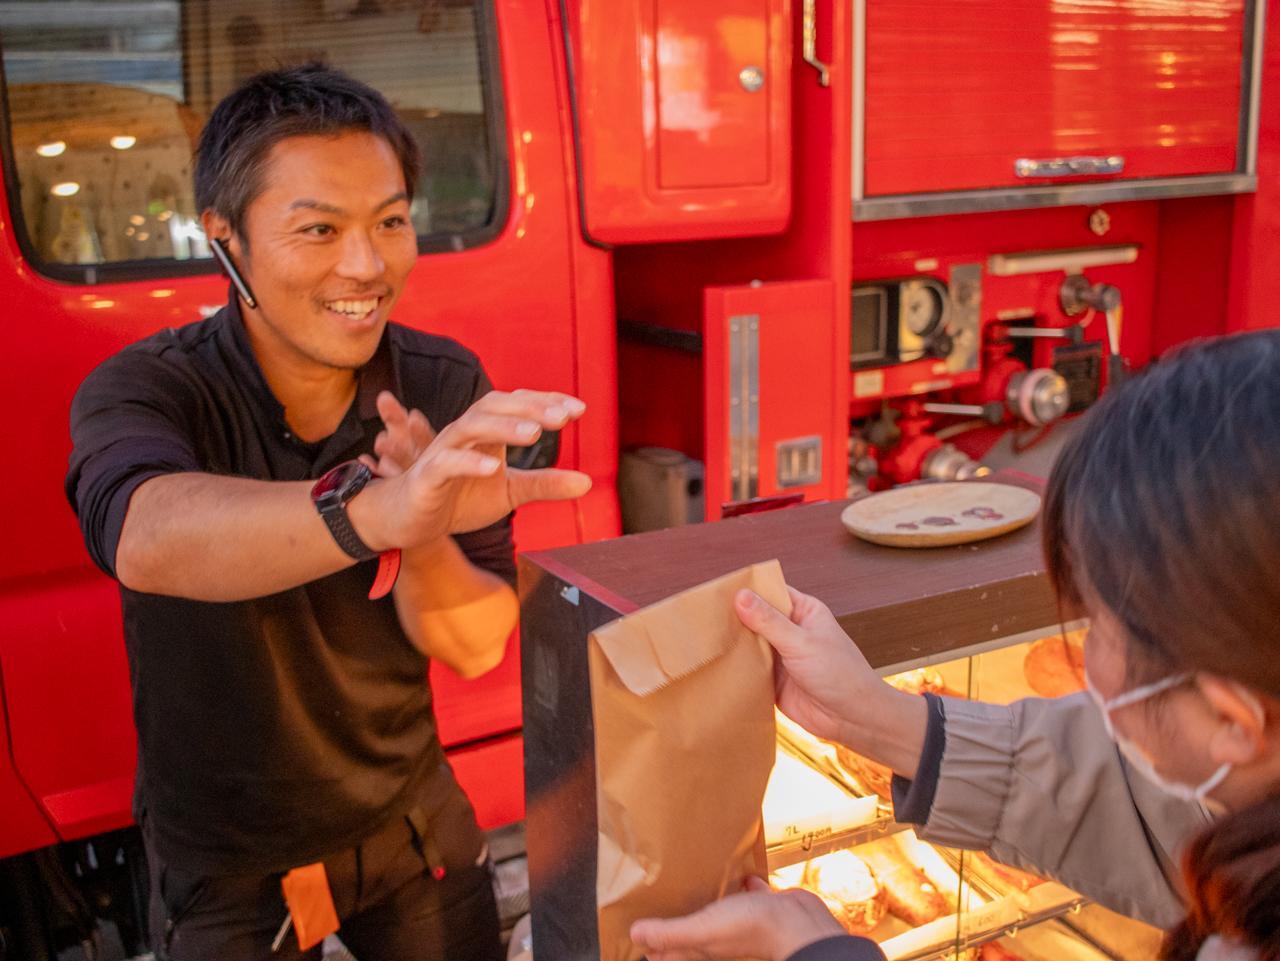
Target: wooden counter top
pixel 900 605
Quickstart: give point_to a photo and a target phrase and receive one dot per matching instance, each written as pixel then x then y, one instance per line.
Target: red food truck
pixel 782 248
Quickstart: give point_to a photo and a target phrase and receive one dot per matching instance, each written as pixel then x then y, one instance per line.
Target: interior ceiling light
pixel 52 149
pixel 123 141
pixel 68 188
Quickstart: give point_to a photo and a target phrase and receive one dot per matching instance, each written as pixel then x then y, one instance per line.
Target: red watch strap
pixel 388 571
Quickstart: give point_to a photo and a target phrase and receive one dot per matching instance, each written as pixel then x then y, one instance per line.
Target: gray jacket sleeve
pixel 1038 784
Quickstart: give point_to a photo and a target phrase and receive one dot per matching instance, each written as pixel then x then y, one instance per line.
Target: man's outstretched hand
pixel 457 480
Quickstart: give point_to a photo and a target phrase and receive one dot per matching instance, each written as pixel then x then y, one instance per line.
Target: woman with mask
pixel 1157 793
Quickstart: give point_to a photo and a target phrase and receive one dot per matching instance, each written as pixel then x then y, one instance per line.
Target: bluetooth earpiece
pixel 219 248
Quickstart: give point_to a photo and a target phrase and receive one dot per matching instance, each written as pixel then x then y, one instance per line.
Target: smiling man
pixel 257 483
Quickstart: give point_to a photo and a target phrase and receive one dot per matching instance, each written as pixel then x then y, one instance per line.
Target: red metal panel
pixel 1254 282
pixel 22 826
pixel 798 369
pixel 956 92
pixel 492 774
pixel 671 145
pixel 1193 283
pixel 67 691
pixel 709 126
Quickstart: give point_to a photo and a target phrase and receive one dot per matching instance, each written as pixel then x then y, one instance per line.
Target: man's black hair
pixel 308 100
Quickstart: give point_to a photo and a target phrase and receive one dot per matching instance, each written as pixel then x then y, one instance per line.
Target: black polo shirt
pixel 273 731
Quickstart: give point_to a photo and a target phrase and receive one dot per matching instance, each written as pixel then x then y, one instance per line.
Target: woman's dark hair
pixel 1165 509
pixel 310 100
pixel 1232 872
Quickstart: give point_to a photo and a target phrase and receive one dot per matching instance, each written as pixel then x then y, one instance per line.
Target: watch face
pixel 340 484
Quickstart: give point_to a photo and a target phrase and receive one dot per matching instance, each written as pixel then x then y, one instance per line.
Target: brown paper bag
pixel 682 699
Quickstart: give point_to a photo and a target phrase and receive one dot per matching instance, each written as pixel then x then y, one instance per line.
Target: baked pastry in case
pixel 1007 876
pixel 873 776
pixel 847 887
pixel 922 680
pixel 908 894
pixel 876 778
pixel 1054 666
pixel 994 951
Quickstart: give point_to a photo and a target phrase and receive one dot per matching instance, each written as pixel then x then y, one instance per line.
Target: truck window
pixel 104 101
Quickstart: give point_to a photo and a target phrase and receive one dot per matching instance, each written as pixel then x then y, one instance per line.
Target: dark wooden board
pixel 898 604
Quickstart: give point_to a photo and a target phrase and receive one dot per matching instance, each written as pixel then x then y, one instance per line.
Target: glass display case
pixel 975 621
pixel 829 829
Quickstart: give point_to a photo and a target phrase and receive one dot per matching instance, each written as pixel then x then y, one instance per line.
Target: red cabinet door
pixel 959 92
pixel 712 130
pixel 684 117
pixel 774 415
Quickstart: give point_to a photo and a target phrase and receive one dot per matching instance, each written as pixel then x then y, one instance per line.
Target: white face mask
pixel 1198 793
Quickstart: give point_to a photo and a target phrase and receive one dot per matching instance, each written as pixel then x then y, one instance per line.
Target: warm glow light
pixel 68 188
pixel 164 215
pixel 102 304
pixel 53 149
pixel 143 236
pixel 137 220
pixel 163 292
pixel 123 141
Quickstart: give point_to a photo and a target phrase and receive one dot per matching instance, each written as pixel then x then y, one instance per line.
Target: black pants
pixel 393 900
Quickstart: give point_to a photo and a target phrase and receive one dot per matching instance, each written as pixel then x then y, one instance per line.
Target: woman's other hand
pixel 756 923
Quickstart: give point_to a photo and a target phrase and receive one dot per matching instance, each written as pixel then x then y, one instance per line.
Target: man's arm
pixel 212 538
pixel 225 539
pixel 452 610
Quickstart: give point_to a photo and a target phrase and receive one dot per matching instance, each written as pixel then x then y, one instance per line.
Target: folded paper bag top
pixel 682 703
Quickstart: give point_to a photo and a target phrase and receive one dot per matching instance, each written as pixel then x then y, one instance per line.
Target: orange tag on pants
pixel 306 892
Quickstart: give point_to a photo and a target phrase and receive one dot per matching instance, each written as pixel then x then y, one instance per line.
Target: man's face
pixel 329 246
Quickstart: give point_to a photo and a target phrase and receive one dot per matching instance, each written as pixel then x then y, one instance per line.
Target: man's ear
pixel 229 252
pixel 217 227
pixel 1240 725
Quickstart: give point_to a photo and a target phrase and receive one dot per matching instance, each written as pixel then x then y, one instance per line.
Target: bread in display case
pixel 829 829
pixel 968 621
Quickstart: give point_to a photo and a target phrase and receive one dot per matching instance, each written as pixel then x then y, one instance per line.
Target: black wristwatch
pixel 330 495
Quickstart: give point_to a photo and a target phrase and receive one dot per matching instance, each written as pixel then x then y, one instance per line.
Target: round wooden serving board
pixel 939 514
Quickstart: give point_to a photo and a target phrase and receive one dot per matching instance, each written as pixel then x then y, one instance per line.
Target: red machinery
pixel 799 242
